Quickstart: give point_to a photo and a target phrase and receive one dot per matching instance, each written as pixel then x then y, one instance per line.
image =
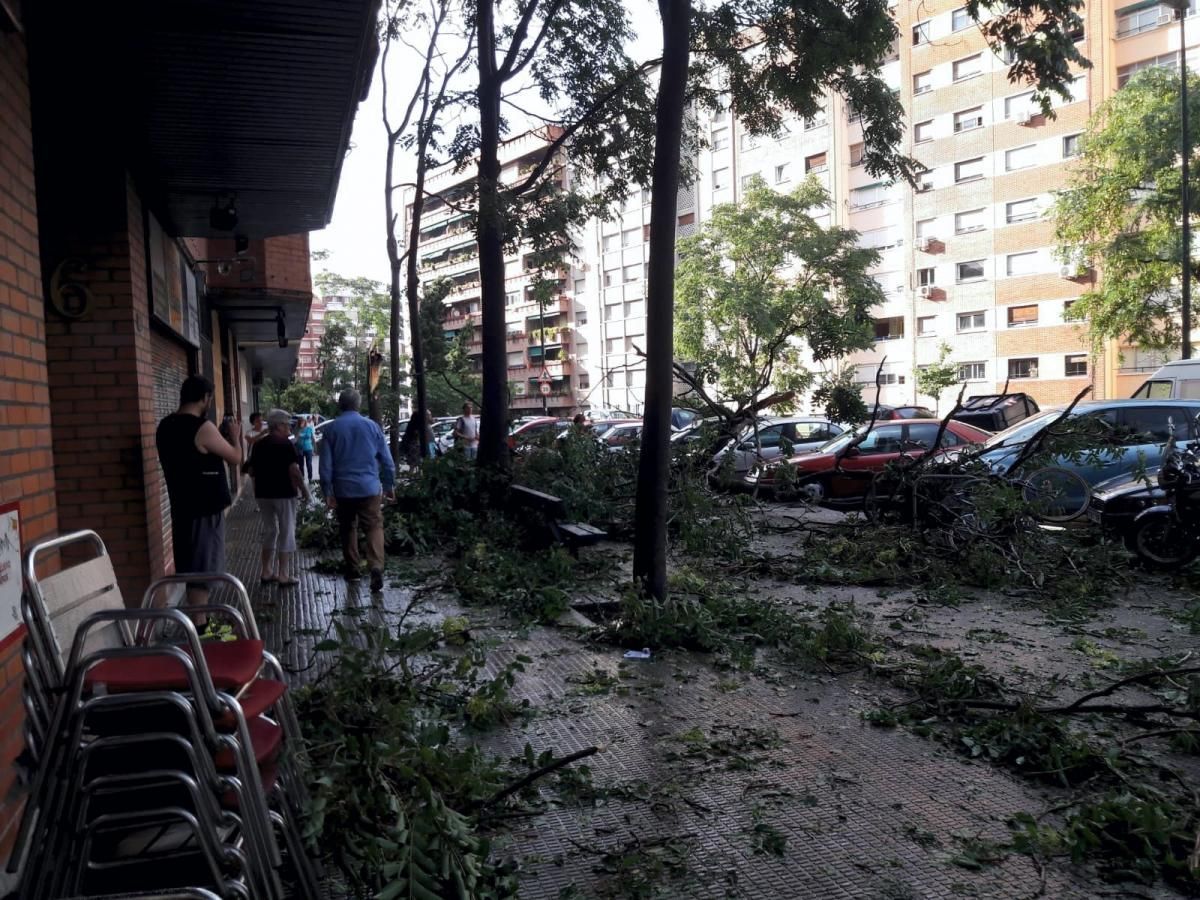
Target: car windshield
pixel 1023 430
pixel 841 440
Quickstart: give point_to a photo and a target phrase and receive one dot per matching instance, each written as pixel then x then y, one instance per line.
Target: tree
pixel 760 288
pixel 451 378
pixel 777 58
pixel 303 397
pixel 933 379
pixel 572 53
pixel 1122 211
pixel 418 131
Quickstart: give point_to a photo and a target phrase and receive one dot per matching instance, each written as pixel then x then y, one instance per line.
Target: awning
pixel 209 102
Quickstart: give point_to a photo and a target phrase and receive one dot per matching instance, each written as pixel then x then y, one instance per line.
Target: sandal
pixel 267 579
pixel 291 582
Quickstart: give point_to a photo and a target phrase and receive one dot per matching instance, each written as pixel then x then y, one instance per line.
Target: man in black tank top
pixel 193 454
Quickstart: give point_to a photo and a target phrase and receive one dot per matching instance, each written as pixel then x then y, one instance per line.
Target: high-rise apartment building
pixel 967 257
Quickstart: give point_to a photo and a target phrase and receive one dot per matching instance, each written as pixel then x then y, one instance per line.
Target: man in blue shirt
pixel 356 473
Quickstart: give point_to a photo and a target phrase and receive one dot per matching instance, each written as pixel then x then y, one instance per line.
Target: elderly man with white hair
pixel 357 471
pixel 278 482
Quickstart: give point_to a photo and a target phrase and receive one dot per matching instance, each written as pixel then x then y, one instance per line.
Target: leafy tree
pixel 933 379
pixel 304 397
pixel 450 376
pixel 780 57
pixel 1122 211
pixel 761 287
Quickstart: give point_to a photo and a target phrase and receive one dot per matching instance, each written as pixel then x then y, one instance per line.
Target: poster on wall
pixel 191 314
pixel 11 627
pixel 174 285
pixel 161 303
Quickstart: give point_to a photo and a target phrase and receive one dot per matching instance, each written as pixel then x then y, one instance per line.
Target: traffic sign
pixel 544 387
pixel 544 378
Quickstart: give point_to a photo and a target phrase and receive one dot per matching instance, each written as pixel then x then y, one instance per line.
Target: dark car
pixel 1117 501
pixel 995 412
pixel 1130 435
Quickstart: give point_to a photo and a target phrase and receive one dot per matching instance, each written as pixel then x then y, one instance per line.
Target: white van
pixel 1177 380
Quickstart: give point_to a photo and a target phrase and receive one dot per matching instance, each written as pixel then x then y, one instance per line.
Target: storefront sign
pixel 11 627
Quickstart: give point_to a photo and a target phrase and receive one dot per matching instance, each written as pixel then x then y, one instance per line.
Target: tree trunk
pixel 650 531
pixel 394 295
pixel 493 417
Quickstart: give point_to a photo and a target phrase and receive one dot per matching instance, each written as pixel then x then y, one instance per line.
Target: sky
pixel 356 237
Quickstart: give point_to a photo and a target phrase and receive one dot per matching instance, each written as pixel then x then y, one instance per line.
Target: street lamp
pixel 1181 9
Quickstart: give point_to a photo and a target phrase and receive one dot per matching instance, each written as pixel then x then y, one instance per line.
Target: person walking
pixel 466 431
pixel 193 455
pixel 275 468
pixel 258 429
pixel 305 440
pixel 430 440
pixel 357 472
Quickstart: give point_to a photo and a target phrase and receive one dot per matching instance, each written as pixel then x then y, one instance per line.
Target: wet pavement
pixel 711 783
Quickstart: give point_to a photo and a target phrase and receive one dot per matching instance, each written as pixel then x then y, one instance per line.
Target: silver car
pixel 777 436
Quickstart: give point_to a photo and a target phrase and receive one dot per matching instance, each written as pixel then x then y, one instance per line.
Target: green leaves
pixel 1122 211
pixel 759 282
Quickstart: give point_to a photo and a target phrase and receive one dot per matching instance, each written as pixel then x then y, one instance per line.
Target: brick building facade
pixel 132 254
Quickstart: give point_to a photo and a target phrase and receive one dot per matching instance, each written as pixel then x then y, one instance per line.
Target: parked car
pixel 682 418
pixel 995 412
pixel 817 475
pixel 1117 502
pixel 600 415
pixel 622 435
pixel 888 413
pixel 1176 380
pixel 1130 435
pixel 777 436
pixel 530 431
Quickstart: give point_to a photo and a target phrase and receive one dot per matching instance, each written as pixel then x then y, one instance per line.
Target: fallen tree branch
pixel 533 776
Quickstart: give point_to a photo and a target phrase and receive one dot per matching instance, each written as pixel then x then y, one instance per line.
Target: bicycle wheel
pixel 1055 494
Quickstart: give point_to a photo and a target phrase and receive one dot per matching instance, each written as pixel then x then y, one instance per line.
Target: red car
pixel 535 429
pixel 814 472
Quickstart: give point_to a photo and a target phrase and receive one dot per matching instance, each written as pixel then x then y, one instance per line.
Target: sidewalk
pixel 709 783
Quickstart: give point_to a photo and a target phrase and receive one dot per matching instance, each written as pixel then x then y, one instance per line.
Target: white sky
pixel 356 237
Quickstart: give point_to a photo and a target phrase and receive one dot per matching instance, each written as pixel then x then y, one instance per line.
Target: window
pixel 612 241
pixel 920 33
pixel 612 277
pixel 960 19
pixel 1021 210
pixel 969 169
pixel 970 220
pixel 720 179
pixel 815 121
pixel 967 67
pixel 1163 61
pixel 746 179
pixel 1021 316
pixel 889 329
pixel 721 112
pixel 925 228
pixel 783 173
pixel 926 326
pixel 856 154
pixel 871 195
pixel 816 163
pixel 1018 106
pixel 923 131
pixel 512 298
pixel 516 359
pixel 1139 20
pixel 1020 157
pixel 971 270
pixel 611 312
pixel 720 139
pixel 631 273
pixel 966 119
pixel 972 371
pixel 646 196
pixel 581 283
pixel 1026 367
pixel 1067 304
pixel 1070 146
pixel 634 308
pixel 922 82
pixel 971 321
pixel 581 317
pixel 687 219
pixel 1075 364
pixel 884 438
pixel 632 236
pixel 925 277
pixel 748 141
pixel 1022 263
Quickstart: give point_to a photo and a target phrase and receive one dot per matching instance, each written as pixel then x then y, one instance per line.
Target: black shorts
pixel 199 544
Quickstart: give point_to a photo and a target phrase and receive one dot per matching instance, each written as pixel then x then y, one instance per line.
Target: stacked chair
pixel 167 766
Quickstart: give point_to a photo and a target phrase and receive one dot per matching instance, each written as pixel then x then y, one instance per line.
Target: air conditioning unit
pixel 927 291
pixel 927 244
pixel 520 389
pixel 1164 19
pixel 967 124
pixel 1071 270
pixel 1027 118
pixel 923 186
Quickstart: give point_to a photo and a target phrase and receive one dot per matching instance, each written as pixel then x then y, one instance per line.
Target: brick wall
pixel 26 462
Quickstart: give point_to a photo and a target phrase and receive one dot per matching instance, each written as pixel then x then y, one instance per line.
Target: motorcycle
pixel 1167 536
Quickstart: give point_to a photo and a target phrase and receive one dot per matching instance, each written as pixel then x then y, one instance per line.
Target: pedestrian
pixel 430 441
pixel 275 467
pixel 356 472
pixel 193 455
pixel 258 429
pixel 305 441
pixel 466 432
pixel 580 421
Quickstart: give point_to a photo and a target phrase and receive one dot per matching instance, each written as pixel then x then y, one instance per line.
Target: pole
pixel 542 332
pixel 1186 310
